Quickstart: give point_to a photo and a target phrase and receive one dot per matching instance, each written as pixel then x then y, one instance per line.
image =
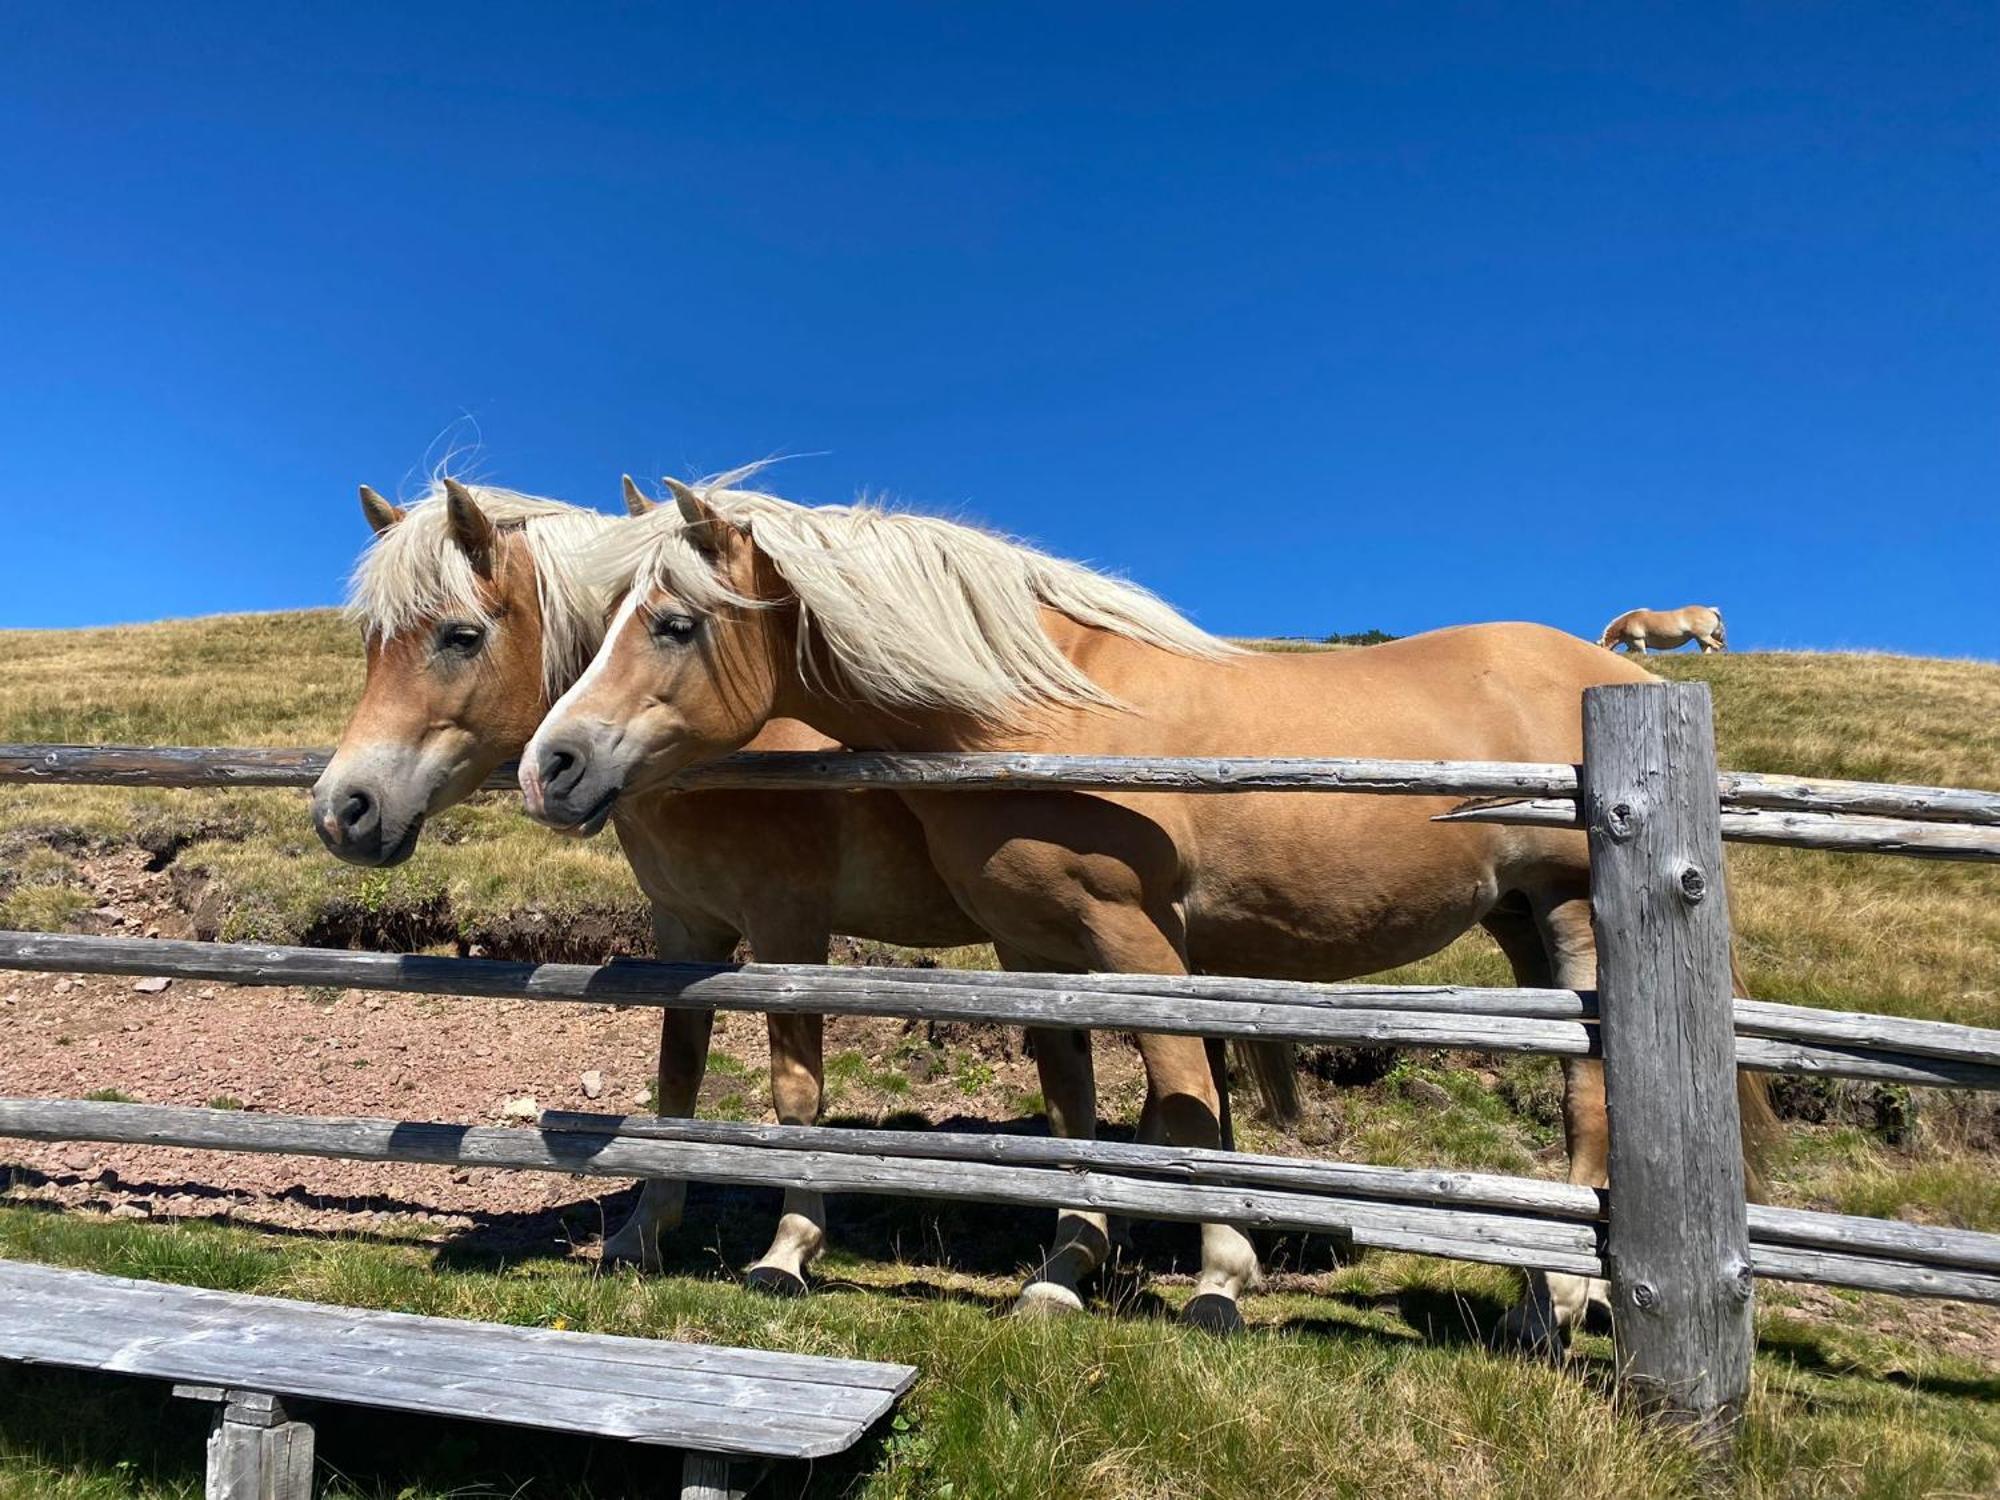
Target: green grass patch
pixel 1375 1386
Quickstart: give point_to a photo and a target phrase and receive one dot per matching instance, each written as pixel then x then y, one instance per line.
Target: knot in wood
pixel 1694 884
pixel 1645 1296
pixel 1620 821
pixel 1738 1277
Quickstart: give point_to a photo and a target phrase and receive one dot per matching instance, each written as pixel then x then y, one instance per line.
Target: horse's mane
pixel 414 572
pixel 911 611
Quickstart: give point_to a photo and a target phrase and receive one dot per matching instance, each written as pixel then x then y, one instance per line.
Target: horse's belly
pixel 1327 897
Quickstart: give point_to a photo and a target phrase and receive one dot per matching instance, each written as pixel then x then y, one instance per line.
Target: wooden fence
pixel 1673 1232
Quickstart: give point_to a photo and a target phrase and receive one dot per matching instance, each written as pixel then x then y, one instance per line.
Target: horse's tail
pixel 1761 1129
pixel 1275 1069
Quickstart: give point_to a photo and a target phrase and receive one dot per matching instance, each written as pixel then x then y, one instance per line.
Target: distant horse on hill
pixel 1641 630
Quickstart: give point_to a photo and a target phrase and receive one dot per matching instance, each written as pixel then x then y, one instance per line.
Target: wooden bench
pixel 731 1410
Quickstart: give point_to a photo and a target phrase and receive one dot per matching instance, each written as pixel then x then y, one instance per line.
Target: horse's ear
pixel 469 526
pixel 380 513
pixel 636 504
pixel 705 528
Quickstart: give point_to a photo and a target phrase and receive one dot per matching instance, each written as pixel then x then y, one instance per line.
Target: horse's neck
pixel 867 726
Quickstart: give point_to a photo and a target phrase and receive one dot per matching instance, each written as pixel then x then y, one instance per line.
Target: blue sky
pixel 1315 319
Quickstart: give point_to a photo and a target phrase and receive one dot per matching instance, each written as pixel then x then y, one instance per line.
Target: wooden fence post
pixel 1679 1248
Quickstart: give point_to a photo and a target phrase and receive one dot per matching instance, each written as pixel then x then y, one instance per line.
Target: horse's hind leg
pixel 684 1037
pixel 1550 943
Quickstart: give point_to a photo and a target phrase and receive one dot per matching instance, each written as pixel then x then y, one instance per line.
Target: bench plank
pixel 776 1405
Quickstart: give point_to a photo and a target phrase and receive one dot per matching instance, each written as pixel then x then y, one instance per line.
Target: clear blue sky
pixel 1313 318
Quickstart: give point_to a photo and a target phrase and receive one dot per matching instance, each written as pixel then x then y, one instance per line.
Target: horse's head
pixel 453 627
pixel 690 669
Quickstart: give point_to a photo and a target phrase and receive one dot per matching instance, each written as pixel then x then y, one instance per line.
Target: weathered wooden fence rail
pixel 1672 1232
pixel 1849 816
pixel 1511 1221
pixel 1553 1023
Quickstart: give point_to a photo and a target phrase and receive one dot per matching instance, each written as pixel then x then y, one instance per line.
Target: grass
pixel 1376 1387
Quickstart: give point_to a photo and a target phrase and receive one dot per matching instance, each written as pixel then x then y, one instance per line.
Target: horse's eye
pixel 675 629
pixel 461 639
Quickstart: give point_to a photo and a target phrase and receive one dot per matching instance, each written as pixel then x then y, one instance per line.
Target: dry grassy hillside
pixel 1872 933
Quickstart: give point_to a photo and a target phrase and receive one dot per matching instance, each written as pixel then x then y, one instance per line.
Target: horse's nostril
pixel 562 768
pixel 355 810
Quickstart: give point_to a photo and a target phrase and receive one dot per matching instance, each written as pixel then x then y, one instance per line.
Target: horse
pixel 896 631
pixel 1639 630
pixel 475 620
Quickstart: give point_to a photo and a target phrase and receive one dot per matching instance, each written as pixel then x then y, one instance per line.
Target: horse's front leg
pixel 797 1090
pixel 792 931
pixel 684 1039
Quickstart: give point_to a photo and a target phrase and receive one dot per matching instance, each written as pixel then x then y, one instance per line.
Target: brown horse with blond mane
pixel 903 632
pixel 475 619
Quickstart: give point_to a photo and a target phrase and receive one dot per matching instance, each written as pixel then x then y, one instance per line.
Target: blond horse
pixel 1641 630
pixel 905 632
pixel 474 620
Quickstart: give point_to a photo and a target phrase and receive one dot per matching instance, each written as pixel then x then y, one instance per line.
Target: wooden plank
pixel 439 1354
pixel 1495 1238
pixel 1939 804
pixel 1866 1238
pixel 1769 1055
pixel 1493 1019
pixel 1053 1000
pixel 208 766
pixel 1174 1163
pixel 1837 833
pixel 1678 1243
pixel 1860 1029
pixel 712 1476
pixel 1871 1274
pixel 674 1359
pixel 438 1366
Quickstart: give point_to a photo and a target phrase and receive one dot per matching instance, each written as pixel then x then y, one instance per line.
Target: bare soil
pixel 359 1052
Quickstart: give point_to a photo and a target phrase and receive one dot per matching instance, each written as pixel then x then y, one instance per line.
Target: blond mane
pixel 911 611
pixel 414 573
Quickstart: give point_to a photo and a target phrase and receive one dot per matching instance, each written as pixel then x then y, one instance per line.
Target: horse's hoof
pixel 1528 1332
pixel 774 1281
pixel 1212 1312
pixel 1046 1299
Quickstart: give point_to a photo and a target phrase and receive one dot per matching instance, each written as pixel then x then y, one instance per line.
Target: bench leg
pixel 717 1476
pixel 256 1451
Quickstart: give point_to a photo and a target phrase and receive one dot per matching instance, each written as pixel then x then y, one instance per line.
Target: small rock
pixel 105 911
pixel 131 1211
pixel 152 932
pixel 593 1084
pixel 205 993
pixel 64 986
pixel 640 1097
pixel 12 997
pixel 1423 1091
pixel 79 1160
pixel 153 986
pixel 373 1002
pixel 523 1108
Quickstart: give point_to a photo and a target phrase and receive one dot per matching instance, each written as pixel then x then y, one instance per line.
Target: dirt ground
pixel 359 1052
